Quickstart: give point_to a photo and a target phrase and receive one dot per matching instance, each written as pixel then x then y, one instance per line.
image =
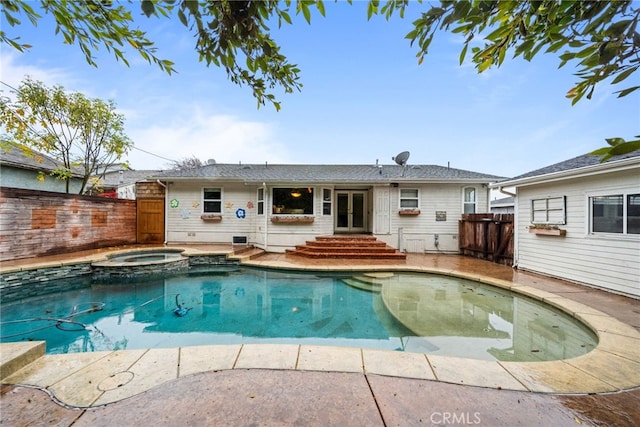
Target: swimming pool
pixel 396 311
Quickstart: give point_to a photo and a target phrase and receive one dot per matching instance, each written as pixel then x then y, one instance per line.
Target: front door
pixel 351 211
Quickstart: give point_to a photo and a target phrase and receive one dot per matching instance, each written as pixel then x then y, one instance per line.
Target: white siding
pixel 409 233
pixel 286 236
pixel 611 262
pixel 184 224
pixel 418 233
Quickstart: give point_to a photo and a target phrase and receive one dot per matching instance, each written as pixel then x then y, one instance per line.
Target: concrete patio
pixel 314 385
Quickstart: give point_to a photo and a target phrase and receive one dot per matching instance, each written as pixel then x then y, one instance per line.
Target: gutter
pixel 599 168
pixel 508 193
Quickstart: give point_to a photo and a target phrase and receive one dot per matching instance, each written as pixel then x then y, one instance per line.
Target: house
pixel 580 220
pixel 504 205
pixel 412 208
pixel 22 167
pixel 121 183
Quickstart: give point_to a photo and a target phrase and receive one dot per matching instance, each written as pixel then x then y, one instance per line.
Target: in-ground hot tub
pixel 141 263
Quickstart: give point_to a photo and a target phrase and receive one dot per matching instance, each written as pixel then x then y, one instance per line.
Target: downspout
pixel 503 191
pixel 515 225
pixel 266 203
pixel 166 210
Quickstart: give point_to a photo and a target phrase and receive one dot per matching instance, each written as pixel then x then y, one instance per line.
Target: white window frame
pixel 213 200
pixel 415 198
pixel 260 201
pixel 625 193
pixel 465 202
pixel 326 202
pixel 552 209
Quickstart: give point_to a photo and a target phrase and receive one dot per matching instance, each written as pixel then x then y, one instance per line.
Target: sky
pixel 365 99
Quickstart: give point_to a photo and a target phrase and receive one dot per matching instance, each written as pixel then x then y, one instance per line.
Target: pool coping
pixel 94 379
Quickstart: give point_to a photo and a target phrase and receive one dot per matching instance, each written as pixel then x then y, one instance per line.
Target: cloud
pixel 225 138
pixel 14 73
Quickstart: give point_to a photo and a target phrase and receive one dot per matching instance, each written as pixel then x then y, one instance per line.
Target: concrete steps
pixel 245 253
pixel 16 355
pixel 347 246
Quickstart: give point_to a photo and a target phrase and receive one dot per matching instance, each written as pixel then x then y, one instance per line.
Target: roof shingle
pixel 328 173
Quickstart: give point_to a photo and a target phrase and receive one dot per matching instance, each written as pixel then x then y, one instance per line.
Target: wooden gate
pixel 150 220
pixel 487 236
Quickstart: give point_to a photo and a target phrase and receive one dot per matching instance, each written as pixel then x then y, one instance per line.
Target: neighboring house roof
pixel 581 165
pixel 329 173
pixel 506 201
pixel 126 177
pixel 21 157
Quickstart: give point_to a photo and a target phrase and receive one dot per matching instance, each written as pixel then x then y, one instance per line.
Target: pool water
pixel 146 256
pixel 405 312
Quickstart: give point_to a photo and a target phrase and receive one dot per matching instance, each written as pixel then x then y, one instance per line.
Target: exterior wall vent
pixel 240 240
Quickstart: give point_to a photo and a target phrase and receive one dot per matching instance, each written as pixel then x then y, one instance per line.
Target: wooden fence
pixel 35 223
pixel 487 236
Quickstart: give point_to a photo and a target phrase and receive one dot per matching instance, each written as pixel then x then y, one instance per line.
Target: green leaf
pixel 618 28
pixel 372 8
pixel 463 53
pixel 615 141
pixel 484 65
pixel 306 13
pixel 192 5
pixel 320 6
pixel 182 17
pixel 147 7
pixel 285 16
pixel 627 91
pixel 556 46
pixel 625 148
pixel 411 35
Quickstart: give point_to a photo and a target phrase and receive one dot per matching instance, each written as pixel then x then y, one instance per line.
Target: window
pixel 633 214
pixel 326 201
pixel 293 201
pixel 260 199
pixel 469 200
pixel 550 210
pixel 409 198
pixel 212 200
pixel 617 213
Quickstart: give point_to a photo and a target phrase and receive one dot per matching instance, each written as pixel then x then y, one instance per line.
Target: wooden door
pixel 150 220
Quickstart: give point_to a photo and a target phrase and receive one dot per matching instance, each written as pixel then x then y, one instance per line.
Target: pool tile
pixel 81 388
pixel 155 367
pixel 52 368
pixel 626 373
pixel 556 377
pixel 397 364
pixel 207 358
pixel 325 358
pixel 267 356
pixel 481 373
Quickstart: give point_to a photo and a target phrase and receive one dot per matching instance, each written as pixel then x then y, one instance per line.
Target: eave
pixel 586 171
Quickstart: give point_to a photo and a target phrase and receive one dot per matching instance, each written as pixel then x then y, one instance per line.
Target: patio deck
pixel 287 385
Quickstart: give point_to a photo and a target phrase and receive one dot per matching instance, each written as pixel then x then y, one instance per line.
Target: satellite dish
pixel 401 158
